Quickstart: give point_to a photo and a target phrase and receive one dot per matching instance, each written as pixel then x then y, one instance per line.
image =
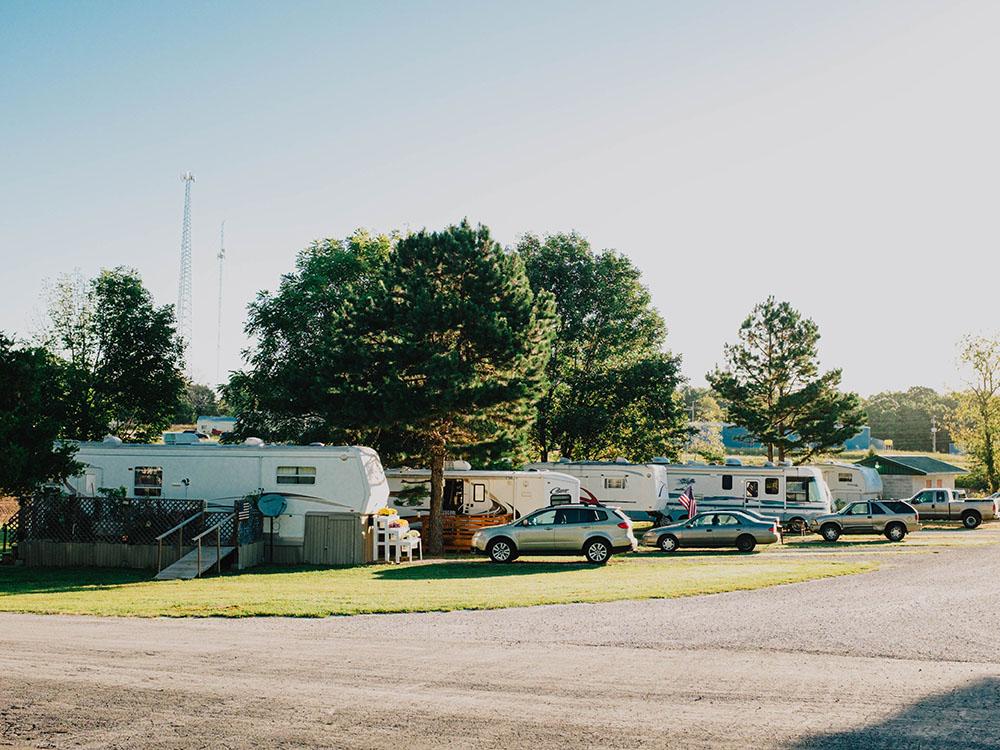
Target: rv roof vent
pixel 661 460
pixel 733 462
pixel 317 445
pixel 457 466
pixel 254 441
pixel 621 460
pixel 112 439
pixel 564 460
pixel 769 464
pixel 786 462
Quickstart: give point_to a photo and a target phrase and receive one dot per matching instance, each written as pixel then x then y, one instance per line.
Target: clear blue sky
pixel 840 155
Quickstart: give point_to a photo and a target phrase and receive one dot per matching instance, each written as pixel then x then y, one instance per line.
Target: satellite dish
pixel 272 505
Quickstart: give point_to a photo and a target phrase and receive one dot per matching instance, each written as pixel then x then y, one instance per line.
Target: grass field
pixel 432 586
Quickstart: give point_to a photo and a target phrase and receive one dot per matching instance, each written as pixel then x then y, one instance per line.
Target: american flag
pixel 687 500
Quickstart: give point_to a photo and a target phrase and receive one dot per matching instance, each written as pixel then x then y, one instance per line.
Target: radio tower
pixel 218 340
pixel 184 301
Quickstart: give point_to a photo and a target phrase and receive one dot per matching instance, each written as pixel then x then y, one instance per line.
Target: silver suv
pixel 596 532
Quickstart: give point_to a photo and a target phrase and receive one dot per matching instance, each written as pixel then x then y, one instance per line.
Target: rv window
pixel 558 499
pixel 727 481
pixel 614 483
pixel 845 477
pixel 771 486
pixel 797 490
pixel 296 475
pixel 479 493
pixel 751 488
pixel 148 481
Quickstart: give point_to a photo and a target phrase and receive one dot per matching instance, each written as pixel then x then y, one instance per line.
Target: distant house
pixel 216 425
pixel 904 476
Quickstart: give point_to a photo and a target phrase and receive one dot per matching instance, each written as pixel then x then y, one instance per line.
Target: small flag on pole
pixel 687 500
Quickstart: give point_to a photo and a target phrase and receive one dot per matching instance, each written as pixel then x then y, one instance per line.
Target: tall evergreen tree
pixel 774 389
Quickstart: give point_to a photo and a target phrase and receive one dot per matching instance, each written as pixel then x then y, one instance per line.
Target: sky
pixel 841 156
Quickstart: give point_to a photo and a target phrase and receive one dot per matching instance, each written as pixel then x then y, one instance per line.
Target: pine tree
pixel 774 388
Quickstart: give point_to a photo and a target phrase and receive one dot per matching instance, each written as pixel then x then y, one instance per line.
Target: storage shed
pixel 905 476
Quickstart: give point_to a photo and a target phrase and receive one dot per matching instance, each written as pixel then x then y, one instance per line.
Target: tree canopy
pixel 32 419
pixel 123 357
pixel 439 352
pixel 610 385
pixel 906 417
pixel 774 389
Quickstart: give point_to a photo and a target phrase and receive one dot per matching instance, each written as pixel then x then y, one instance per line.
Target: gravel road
pixel 903 657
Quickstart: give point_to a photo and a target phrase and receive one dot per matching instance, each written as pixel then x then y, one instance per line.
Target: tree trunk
pixel 770 452
pixel 435 534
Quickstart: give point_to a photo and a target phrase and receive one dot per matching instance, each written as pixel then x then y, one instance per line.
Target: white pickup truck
pixel 950 505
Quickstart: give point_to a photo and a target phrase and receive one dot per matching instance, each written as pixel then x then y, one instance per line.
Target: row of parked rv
pixel 320 478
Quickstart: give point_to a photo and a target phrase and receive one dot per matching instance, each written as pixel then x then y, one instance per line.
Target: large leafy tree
pixel 610 385
pixel 774 389
pixel 123 357
pixel 32 419
pixel 978 416
pixel 907 417
pixel 299 353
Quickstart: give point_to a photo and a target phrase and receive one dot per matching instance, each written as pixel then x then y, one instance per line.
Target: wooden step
pixel 187 567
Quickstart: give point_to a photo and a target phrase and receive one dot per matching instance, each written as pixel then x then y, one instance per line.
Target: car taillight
pixel 774 529
pixel 622 525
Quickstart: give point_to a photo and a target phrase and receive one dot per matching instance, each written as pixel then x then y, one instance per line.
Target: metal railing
pixel 217 528
pixel 180 538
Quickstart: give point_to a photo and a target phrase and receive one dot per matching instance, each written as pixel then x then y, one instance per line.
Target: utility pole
pixel 218 338
pixel 934 432
pixel 184 294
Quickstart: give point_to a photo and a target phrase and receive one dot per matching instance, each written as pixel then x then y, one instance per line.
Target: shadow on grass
pixel 465 570
pixel 16 579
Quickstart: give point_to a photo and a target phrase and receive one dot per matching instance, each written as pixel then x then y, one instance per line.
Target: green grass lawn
pixel 431 586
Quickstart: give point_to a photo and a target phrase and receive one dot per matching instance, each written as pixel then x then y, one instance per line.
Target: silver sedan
pixel 729 528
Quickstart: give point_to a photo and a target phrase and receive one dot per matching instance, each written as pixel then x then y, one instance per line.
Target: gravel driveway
pixel 903 657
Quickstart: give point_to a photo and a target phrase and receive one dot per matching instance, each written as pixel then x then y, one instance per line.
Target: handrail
pixel 182 524
pixel 234 516
pixel 213 528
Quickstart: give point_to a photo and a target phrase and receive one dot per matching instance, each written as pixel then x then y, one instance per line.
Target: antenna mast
pixel 218 340
pixel 184 298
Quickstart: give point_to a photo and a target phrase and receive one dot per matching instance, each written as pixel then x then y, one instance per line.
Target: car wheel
pixel 797 525
pixel 668 543
pixel 745 543
pixel 597 551
pixel 895 532
pixel 971 519
pixel 830 532
pixel 501 551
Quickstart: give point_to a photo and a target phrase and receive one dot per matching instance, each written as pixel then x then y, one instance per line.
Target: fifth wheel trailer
pixel 793 494
pixel 327 479
pixel 470 491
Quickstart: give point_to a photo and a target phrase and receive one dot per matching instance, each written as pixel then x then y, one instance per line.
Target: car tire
pixel 597 551
pixel 667 543
pixel 830 532
pixel 501 551
pixel 745 543
pixel 798 525
pixel 895 532
pixel 971 519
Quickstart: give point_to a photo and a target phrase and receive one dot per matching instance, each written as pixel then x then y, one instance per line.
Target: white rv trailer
pixel 470 491
pixel 792 494
pixel 342 479
pixel 850 482
pixel 638 489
